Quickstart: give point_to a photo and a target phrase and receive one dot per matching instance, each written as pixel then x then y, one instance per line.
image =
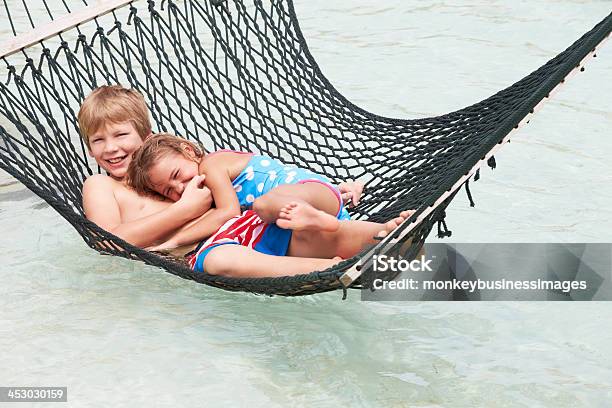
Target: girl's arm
pixel 351 192
pixel 226 205
pixel 218 180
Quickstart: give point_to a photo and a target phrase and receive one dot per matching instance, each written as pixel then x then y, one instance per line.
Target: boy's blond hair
pixel 154 148
pixel 113 104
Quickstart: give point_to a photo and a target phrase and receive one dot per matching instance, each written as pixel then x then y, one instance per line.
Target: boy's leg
pixel 240 262
pixel 318 195
pixel 350 238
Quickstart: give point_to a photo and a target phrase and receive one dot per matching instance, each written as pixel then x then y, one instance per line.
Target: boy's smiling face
pixel 112 147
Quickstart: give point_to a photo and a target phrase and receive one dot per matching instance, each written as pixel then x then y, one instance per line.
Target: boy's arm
pixel 194 231
pixel 101 207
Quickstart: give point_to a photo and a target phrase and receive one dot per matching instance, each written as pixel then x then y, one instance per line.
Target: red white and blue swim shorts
pixel 247 230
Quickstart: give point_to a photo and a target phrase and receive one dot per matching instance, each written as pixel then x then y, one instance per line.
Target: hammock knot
pixel 80 40
pixel 133 11
pixel 116 26
pixel 46 54
pixel 63 46
pixel 29 64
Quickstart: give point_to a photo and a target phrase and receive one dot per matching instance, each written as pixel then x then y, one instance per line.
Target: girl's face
pixel 171 174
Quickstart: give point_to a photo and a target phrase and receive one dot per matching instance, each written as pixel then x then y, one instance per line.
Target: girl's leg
pixel 317 195
pixel 301 216
pixel 350 238
pixel 305 251
pixel 241 262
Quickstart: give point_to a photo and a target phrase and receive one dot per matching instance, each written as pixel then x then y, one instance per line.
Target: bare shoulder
pixel 99 199
pixel 98 180
pixel 215 158
pixel 230 163
pixel 101 185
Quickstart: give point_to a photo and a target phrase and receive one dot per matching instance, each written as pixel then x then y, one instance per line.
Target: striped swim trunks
pixel 247 230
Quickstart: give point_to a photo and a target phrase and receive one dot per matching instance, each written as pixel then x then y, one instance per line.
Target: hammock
pixel 239 75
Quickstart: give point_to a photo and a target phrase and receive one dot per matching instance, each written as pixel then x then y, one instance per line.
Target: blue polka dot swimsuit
pixel 263 173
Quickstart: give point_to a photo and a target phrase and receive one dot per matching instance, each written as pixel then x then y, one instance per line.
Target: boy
pixel 114 122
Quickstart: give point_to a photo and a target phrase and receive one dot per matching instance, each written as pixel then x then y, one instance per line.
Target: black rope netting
pixel 238 75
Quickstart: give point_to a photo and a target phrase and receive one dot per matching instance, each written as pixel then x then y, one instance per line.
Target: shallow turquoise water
pixel 118 333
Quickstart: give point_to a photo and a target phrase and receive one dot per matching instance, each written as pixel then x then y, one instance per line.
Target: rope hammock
pixel 238 75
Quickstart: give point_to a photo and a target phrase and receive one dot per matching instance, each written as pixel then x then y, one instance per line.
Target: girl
pixel 165 164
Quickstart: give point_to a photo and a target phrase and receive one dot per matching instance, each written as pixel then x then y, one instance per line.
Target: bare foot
pixel 303 216
pixel 394 223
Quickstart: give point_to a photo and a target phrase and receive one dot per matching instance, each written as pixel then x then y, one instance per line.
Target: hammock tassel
pixel 443 230
pixel 491 162
pixel 477 175
pixel 469 193
pixel 344 291
pixel 12 70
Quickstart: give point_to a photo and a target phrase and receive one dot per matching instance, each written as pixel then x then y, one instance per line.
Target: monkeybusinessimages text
pixel 384 263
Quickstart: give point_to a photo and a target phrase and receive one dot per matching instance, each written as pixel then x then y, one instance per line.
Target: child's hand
pixel 163 247
pixel 196 198
pixel 351 192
